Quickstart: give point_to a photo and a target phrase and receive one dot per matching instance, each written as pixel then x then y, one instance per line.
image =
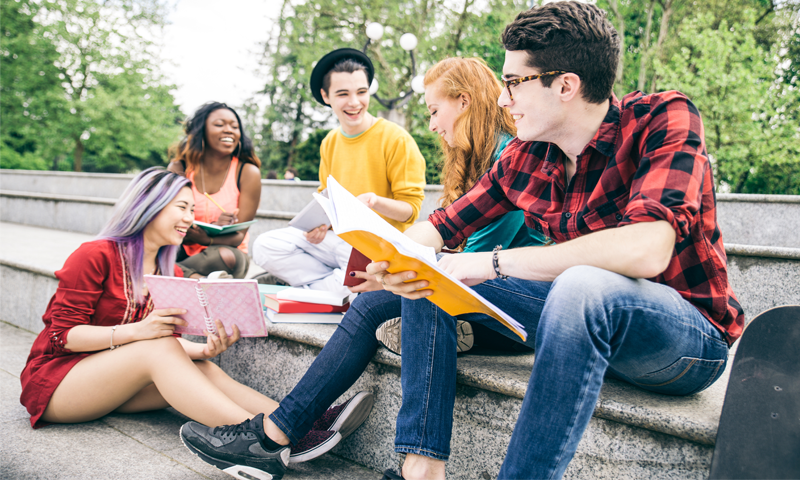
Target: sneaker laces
pixel 232 430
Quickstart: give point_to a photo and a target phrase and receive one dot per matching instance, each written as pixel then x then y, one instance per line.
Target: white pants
pixel 287 254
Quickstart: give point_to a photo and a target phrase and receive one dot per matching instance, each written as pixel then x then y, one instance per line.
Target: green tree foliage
pixel 754 144
pixel 288 127
pixel 102 104
pixel 31 98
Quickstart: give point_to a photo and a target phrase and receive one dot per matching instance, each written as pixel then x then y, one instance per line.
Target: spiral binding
pixel 203 298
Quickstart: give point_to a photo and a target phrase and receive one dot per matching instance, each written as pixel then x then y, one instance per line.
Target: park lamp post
pixel 408 42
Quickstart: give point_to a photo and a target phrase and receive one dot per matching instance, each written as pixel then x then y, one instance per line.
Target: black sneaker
pixel 237 450
pixel 388 334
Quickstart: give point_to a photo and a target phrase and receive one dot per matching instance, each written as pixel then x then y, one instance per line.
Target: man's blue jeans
pixel 586 324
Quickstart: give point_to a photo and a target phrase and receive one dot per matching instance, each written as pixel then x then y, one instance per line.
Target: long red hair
pixel 476 129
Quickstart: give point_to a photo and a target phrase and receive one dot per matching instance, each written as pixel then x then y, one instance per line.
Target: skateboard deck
pixel 759 429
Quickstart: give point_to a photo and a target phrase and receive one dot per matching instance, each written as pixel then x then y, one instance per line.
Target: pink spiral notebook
pixel 230 301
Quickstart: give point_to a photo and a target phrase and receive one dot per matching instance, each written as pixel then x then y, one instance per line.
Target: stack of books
pixel 300 305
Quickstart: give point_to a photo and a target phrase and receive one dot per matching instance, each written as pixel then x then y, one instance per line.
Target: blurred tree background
pixel 81 88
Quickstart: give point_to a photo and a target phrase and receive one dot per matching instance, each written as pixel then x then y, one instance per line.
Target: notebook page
pixel 360 217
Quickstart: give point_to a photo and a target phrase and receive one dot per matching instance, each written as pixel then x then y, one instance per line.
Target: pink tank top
pixel 206 211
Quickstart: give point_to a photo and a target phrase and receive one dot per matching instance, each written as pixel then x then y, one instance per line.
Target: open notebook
pixel 366 231
pixel 230 301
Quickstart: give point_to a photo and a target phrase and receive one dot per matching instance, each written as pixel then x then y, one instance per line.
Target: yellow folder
pixel 447 295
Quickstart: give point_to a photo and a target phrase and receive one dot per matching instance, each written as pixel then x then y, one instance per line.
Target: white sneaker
pixel 219 275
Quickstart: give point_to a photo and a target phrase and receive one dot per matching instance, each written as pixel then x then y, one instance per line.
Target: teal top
pixel 509 230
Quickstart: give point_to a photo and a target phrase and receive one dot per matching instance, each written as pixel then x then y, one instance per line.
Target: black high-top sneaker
pixel 237 450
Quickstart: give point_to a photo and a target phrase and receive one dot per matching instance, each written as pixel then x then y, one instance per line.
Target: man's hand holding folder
pixel 402 264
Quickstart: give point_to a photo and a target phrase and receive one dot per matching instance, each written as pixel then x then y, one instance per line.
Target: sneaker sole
pixel 354 414
pixel 389 335
pixel 464 337
pixel 242 472
pixel 315 452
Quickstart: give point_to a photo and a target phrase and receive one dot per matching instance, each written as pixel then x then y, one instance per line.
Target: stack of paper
pixel 302 305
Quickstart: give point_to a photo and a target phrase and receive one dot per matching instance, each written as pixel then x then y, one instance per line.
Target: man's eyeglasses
pixel 519 80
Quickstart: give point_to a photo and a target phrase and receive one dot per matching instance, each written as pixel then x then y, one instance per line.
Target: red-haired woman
pixel 461 95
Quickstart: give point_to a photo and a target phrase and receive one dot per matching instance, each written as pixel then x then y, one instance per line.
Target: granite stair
pixel 633 434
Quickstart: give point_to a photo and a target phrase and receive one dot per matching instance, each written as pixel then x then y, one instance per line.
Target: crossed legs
pixel 149 375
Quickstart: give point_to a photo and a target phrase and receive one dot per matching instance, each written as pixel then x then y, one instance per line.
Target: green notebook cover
pixel 217 230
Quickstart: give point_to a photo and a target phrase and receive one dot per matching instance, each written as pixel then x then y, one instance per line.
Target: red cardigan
pixel 91 291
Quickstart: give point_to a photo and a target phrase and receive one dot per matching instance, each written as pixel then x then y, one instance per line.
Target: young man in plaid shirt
pixel 636 287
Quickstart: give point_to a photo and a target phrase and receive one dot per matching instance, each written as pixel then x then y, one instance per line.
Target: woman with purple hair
pixel 104 348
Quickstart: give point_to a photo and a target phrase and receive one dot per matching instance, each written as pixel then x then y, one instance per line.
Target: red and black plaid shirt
pixel 647 162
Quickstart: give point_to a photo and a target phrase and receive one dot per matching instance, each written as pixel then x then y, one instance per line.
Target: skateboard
pixel 759 429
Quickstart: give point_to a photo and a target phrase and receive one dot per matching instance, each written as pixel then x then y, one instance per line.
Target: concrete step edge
pixel 57 197
pixel 740 250
pixel 268 214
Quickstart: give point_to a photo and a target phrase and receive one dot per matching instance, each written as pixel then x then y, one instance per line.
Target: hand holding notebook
pixel 230 301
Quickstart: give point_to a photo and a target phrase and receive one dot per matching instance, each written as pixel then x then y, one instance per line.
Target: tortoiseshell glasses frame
pixel 519 80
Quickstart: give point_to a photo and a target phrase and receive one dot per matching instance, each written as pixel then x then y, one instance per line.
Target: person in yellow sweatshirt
pixel 374 159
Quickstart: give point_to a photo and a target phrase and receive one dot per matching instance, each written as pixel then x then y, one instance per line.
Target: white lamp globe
pixel 375 31
pixel 408 41
pixel 418 84
pixel 373 87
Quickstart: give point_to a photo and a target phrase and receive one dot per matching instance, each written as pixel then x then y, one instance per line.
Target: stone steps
pixel 633 433
pixel 763 220
pixel 276 195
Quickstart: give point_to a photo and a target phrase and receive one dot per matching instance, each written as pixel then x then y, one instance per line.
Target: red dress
pixel 93 289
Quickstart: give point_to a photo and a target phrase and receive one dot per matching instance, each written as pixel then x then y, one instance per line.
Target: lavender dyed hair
pixel 140 203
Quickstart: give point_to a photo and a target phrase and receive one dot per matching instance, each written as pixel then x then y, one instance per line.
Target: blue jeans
pixel 338 365
pixel 586 324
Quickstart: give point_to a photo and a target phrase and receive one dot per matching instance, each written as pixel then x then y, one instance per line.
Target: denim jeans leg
pixel 596 321
pixel 338 365
pixel 428 376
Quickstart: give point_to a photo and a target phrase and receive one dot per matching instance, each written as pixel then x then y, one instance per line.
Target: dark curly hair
pixel 190 148
pixel 570 36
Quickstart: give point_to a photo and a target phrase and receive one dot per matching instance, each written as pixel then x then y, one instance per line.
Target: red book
pixel 358 263
pixel 272 301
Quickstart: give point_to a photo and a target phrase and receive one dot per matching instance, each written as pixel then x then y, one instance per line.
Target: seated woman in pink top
pixel 218 158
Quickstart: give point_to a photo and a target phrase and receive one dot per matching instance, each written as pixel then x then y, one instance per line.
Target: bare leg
pixel 423 468
pixel 244 396
pixel 149 398
pixel 106 381
pixel 227 258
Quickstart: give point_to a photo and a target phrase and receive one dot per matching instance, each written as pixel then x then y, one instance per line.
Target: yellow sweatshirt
pixel 384 160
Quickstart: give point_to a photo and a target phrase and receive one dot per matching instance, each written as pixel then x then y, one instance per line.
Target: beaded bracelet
pixel 496 263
